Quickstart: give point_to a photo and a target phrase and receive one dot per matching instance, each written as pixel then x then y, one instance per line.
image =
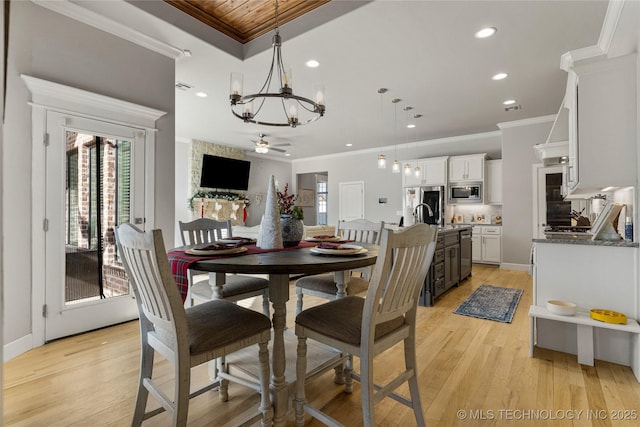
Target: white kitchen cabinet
pixel 491 248
pixel 493 182
pixel 433 171
pixel 410 180
pixel 600 97
pixel 476 248
pixel 466 168
pixel 486 244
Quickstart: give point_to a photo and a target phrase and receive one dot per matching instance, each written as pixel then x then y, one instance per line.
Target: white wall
pixel 262 167
pixel 49 46
pixel 518 156
pixel 2 63
pixel 381 183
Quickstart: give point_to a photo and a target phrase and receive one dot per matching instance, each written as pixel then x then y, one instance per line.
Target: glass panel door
pixel 97 200
pixel 91 187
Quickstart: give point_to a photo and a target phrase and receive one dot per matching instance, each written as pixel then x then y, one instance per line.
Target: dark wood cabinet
pixel 445 270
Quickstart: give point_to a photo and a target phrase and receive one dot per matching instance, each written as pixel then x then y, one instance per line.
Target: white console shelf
pixel 590 275
pixel 585 325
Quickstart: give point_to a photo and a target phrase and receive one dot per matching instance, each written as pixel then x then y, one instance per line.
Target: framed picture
pixel 306 197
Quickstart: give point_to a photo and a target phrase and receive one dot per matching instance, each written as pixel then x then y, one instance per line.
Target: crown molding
pixel 527 122
pixel 86 16
pixel 418 144
pixel 61 97
pixel 609 25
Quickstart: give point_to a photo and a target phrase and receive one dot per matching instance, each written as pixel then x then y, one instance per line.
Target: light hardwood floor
pixel 469 368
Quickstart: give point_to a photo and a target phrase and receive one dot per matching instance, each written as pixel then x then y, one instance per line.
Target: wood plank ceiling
pixel 245 20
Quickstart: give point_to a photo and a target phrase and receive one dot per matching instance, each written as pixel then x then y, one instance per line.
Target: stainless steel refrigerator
pixel 424 204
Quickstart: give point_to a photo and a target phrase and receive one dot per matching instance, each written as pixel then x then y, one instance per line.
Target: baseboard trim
pixel 17 347
pixel 519 267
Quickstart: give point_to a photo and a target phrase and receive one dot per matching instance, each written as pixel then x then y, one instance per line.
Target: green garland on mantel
pixel 232 197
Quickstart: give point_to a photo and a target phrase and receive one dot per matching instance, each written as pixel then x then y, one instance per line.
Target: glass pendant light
pixel 382 159
pixel 395 168
pixel 407 167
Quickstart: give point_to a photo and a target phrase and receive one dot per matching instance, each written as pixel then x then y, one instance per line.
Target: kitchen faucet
pixel 416 214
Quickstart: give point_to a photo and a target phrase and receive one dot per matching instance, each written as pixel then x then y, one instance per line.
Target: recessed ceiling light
pixel 201 94
pixel 349 145
pixel 312 63
pixel 509 102
pixel 411 125
pixel 499 76
pixel 485 32
pixel 287 154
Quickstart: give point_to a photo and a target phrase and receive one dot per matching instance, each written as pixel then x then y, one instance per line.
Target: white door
pixel 94 181
pixel 540 199
pixel 351 200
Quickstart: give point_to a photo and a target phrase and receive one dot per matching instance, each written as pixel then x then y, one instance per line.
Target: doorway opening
pixel 315 208
pixel 97 199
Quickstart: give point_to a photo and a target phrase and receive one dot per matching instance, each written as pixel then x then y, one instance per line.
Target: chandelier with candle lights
pixel 287 107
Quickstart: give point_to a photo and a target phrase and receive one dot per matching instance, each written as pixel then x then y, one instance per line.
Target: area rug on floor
pixel 492 303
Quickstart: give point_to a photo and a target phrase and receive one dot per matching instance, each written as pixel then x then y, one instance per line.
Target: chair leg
pixel 348 382
pixel 298 301
pixel 301 372
pixel 338 374
pixel 367 391
pixel 223 391
pixel 182 384
pixel 146 371
pixel 414 389
pixel 265 401
pixel 265 303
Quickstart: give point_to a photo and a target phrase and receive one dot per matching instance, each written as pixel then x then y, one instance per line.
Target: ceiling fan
pixel 263 146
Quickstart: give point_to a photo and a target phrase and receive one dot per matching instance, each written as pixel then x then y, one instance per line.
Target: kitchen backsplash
pixel 474 214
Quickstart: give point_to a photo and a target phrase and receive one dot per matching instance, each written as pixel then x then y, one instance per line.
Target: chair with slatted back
pixel 324 285
pixel 185 337
pixel 236 287
pixel 366 327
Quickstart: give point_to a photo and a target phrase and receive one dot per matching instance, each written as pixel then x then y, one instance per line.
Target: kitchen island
pixel 591 274
pixel 451 262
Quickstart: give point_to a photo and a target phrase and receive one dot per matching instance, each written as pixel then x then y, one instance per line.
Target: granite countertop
pixel 472 224
pixel 454 227
pixel 589 242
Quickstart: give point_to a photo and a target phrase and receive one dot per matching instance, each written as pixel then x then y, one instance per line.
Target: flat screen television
pixel 224 173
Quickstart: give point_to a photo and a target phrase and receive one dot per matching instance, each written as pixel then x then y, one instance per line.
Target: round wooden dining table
pixel 278 266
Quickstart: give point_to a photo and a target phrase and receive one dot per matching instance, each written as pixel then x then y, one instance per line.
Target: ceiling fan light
pixel 262 150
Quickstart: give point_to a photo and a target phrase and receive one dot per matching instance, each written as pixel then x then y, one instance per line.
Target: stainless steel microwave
pixel 469 192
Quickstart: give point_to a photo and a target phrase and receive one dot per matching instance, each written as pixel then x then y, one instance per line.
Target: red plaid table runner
pixel 181 261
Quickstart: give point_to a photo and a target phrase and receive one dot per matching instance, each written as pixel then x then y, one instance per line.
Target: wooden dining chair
pixel 185 337
pixel 324 285
pixel 236 287
pixel 366 327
